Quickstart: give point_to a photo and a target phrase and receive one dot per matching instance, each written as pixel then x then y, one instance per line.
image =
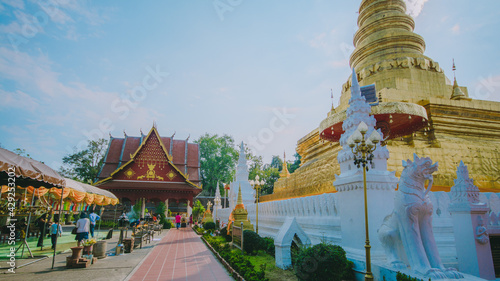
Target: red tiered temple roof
pixel 151 167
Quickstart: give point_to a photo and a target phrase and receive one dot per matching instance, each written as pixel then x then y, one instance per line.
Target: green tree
pixel 296 164
pixel 255 163
pixel 270 176
pixel 84 165
pixel 269 173
pixel 160 210
pixel 136 210
pixel 22 152
pixel 276 162
pixel 198 209
pixel 218 160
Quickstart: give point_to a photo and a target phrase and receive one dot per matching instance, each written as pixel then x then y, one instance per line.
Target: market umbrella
pixel 16 170
pixel 101 197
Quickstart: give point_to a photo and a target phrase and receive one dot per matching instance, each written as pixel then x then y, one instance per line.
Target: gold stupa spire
pixel 457 93
pixel 240 199
pixel 284 172
pixel 331 95
pixel 384 27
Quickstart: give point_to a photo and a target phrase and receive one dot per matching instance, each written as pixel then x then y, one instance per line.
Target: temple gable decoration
pixel 151 162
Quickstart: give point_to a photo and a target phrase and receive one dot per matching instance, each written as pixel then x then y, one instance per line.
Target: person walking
pixel 178 221
pixel 93 218
pixel 82 228
pixel 55 229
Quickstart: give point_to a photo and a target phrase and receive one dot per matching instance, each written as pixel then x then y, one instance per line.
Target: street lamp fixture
pixel 257 185
pixel 226 188
pixel 363 155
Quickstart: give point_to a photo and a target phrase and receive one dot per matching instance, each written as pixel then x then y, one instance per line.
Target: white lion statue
pixel 407 234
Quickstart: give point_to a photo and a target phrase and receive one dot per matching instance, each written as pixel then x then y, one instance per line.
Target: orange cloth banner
pixel 98 199
pixel 77 196
pixel 106 201
pixel 56 192
pixel 41 191
pixel 89 199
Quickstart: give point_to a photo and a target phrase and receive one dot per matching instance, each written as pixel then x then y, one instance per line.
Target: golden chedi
pixel 391 56
pixel 240 214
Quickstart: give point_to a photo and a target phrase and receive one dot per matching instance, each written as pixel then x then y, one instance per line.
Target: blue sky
pixel 260 71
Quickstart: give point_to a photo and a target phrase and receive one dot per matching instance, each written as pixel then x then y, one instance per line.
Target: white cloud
pixel 14 3
pixel 57 15
pixel 324 41
pixel 456 29
pixel 12 27
pixel 339 63
pixel 17 99
pixel 414 7
pixel 66 15
pixel 318 41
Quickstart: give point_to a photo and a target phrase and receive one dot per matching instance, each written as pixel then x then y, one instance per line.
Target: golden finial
pixel 457 93
pixel 454 68
pixel 284 171
pixel 331 96
pixel 240 200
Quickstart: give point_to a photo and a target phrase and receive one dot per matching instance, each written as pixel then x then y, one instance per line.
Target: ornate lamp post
pixel 226 188
pixel 363 154
pixel 257 185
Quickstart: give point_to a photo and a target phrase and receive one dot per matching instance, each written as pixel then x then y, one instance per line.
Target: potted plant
pixel 87 246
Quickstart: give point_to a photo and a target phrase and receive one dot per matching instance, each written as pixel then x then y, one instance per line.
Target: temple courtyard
pixel 172 255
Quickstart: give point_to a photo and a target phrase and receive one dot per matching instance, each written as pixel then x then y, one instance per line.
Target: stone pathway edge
pixel 233 272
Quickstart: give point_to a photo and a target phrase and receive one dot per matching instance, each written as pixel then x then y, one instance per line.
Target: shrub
pixel 167 224
pixel 198 229
pixel 236 259
pixel 107 223
pixel 323 262
pixel 268 245
pixel 243 266
pixel 252 242
pixel 403 277
pixel 223 233
pixel 209 225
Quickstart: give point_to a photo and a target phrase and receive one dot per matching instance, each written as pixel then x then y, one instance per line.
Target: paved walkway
pixel 180 255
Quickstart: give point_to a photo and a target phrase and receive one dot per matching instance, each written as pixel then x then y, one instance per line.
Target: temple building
pixel 400 83
pixel 152 169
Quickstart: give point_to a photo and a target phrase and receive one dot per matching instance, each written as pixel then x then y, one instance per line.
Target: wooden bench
pixel 158 227
pixel 143 232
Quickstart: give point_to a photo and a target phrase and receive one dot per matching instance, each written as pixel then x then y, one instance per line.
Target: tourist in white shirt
pixel 83 227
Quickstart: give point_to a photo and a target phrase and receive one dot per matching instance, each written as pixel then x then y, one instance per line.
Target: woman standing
pixel 41 224
pixel 83 228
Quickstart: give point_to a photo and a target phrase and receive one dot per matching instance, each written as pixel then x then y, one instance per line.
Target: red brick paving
pixel 180 255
